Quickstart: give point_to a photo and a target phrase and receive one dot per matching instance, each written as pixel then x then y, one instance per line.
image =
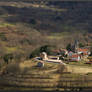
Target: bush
pixel 8 57
pixel 2 37
pixel 32 21
pixel 35 53
pixel 45 48
pixel 68 47
pixel 81 45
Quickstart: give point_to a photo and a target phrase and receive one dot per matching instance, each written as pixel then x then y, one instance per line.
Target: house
pixel 75 57
pixel 83 51
pixel 70 53
pixel 45 58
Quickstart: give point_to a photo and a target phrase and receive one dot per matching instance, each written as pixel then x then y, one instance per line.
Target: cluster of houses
pixel 82 53
pixel 76 54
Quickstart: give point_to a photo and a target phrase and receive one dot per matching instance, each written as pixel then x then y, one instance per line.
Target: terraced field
pixel 33 78
pixel 50 77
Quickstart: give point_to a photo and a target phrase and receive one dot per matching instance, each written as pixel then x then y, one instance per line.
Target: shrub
pixel 8 57
pixel 45 48
pixel 35 53
pixel 68 47
pixel 3 37
pixel 81 45
pixel 32 21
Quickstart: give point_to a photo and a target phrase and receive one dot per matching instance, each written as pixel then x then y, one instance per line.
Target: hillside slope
pixel 27 76
pixel 25 26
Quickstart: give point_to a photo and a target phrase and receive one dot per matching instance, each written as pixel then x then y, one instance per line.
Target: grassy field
pixel 26 76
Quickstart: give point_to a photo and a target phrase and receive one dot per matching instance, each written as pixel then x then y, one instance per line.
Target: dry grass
pixel 31 77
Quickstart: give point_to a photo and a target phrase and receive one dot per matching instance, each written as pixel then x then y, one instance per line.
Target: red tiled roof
pixel 75 56
pixel 82 50
pixel 70 52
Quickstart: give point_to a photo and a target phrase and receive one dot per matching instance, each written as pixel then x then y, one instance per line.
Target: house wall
pixel 75 59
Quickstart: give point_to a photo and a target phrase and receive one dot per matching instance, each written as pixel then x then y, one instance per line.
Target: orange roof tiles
pixel 75 56
pixel 82 50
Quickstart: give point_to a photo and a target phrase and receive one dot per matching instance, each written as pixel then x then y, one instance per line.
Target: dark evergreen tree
pixel 69 47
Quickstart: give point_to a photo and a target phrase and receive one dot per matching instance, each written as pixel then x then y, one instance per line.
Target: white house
pixel 53 59
pixel 75 57
pixel 70 53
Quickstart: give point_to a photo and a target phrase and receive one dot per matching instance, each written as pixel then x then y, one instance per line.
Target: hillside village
pixel 45 44
pixel 54 23
pixel 48 71
pixel 76 54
